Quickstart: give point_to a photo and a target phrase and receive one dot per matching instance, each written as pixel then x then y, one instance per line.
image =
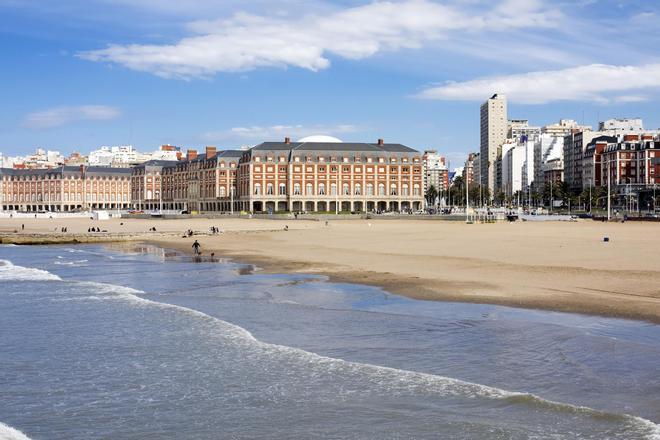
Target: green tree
pixel 431 195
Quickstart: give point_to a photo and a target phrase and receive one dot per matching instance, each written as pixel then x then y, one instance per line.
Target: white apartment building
pixel 548 148
pixel 517 166
pixel 113 156
pixel 434 168
pixel 494 130
pixel 519 128
pixel 564 127
pixel 622 125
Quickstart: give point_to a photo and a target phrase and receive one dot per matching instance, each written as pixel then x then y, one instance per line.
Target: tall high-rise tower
pixel 493 135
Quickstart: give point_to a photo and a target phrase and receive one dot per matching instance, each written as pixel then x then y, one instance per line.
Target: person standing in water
pixel 196 247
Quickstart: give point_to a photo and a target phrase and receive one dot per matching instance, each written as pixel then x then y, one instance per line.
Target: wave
pixel 11 272
pixel 9 433
pixel 74 263
pixel 390 379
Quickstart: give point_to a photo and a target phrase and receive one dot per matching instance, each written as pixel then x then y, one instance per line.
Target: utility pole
pixel 467 198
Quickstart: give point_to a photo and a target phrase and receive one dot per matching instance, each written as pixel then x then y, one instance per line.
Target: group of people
pixel 214 230
pixel 152 229
pixel 94 229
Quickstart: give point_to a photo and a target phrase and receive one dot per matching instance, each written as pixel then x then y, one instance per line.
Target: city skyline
pixel 81 75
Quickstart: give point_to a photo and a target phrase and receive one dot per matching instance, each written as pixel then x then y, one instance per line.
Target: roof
pixel 333 146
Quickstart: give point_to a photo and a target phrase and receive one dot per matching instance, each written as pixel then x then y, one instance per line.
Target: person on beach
pixel 22 227
pixel 196 247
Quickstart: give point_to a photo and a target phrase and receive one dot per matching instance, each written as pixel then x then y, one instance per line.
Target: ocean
pixel 137 342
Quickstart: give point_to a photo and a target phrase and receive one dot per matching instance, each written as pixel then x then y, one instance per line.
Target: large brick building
pixel 310 175
pixel 285 176
pixel 64 189
pixel 330 176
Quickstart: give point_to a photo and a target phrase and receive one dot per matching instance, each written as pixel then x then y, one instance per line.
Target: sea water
pixel 143 343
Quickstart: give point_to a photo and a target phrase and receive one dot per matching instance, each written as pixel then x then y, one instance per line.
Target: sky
pixel 78 74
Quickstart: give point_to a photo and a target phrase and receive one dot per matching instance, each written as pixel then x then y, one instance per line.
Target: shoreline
pixel 414 287
pixel 556 266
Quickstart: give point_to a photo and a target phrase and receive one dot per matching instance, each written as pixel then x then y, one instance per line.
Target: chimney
pixel 287 140
pixel 380 142
pixel 192 155
pixel 82 168
pixel 179 155
pixel 630 138
pixel 210 152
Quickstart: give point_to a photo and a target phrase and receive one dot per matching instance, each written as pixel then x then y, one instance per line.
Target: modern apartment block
pixel 435 171
pixel 494 130
pixel 65 189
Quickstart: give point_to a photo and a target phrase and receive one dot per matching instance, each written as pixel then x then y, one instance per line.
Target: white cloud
pixel 58 116
pixel 596 82
pixel 278 132
pixel 246 42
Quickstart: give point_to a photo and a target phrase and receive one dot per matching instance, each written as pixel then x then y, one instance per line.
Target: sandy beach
pixel 547 265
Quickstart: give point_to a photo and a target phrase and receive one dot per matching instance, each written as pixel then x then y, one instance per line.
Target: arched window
pixel 309 189
pixel 404 189
pixel 222 191
pixel 370 189
pixel 149 194
pixel 257 189
pixel 381 189
pixel 345 189
pixel 393 189
pixel 416 191
pixel 358 189
pixel 321 189
pixel 296 189
pixel 270 189
pixel 333 189
pixel 282 189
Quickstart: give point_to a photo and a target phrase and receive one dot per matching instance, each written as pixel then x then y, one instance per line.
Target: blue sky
pixel 80 74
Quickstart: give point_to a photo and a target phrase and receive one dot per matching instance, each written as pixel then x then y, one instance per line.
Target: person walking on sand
pixel 196 247
pixel 22 227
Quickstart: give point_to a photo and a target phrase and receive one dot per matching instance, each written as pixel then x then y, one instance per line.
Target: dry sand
pixel 551 265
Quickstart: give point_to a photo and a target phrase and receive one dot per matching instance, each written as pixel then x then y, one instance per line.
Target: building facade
pixel 493 131
pixel 65 189
pixel 330 176
pixel 435 171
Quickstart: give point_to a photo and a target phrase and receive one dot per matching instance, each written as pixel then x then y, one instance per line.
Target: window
pixel 358 189
pixel 370 189
pixel 321 189
pixel 296 189
pixel 345 189
pixel 257 189
pixel 404 189
pixel 269 189
pixel 416 189
pixel 333 189
pixel 393 190
pixel 381 189
pixel 309 189
pixel 282 189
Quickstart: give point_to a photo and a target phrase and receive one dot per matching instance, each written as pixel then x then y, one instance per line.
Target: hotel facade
pixel 64 189
pixel 305 176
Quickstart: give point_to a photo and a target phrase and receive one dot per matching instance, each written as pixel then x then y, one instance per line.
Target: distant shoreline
pixel 555 266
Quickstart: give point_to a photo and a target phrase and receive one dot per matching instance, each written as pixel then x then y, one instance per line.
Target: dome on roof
pixel 321 138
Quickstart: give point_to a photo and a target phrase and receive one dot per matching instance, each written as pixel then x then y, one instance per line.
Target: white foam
pixel 11 272
pixel 393 379
pixel 9 433
pixel 390 379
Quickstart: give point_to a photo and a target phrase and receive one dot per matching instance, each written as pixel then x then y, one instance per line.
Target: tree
pixel 431 195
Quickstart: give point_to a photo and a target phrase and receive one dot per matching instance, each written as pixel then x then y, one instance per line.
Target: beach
pixel 561 266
